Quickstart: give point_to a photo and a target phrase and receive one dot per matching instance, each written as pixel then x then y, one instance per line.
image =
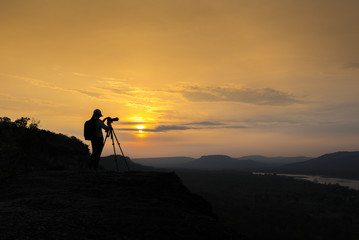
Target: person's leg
pixel 96 152
pixel 91 162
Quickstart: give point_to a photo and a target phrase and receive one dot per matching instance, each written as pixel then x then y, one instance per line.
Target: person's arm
pixel 103 125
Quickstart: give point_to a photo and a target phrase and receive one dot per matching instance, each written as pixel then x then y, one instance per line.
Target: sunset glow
pixel 187 78
pixel 140 127
pixel 140 131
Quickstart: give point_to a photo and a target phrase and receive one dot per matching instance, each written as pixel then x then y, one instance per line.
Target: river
pixel 351 183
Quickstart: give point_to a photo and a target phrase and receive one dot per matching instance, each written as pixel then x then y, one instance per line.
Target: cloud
pixel 205 123
pixel 90 93
pixel 132 123
pixel 33 81
pixel 44 84
pixel 160 128
pixel 352 65
pixel 264 96
pixel 144 98
pixel 123 91
pixel 10 102
pixel 164 128
pixel 235 127
pixel 198 96
pixel 129 129
pixel 80 74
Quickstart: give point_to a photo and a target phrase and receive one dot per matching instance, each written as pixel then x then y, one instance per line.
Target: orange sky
pixel 201 77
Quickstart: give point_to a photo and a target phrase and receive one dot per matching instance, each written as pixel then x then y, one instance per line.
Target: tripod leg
pixel 123 155
pixel 104 141
pixel 114 150
pixel 107 135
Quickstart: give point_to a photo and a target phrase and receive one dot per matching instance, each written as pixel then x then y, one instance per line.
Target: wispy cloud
pixel 160 128
pixel 80 74
pixel 205 125
pixel 162 101
pixel 235 127
pixel 15 103
pixel 352 65
pixel 165 128
pixel 121 91
pixel 264 96
pixel 90 93
pixel 33 81
pixel 132 123
pixel 194 93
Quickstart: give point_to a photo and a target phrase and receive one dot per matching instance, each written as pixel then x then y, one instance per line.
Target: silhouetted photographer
pixel 93 131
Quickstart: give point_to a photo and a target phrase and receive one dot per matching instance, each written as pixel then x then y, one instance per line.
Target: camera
pixel 110 120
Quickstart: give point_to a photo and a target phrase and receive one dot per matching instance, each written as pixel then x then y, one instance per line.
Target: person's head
pixel 97 113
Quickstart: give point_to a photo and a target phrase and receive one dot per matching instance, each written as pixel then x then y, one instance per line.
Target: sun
pixel 140 127
pixel 141 132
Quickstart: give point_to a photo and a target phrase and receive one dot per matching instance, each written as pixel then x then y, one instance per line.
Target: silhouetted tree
pixel 25 147
pixel 21 122
pixel 34 124
pixel 5 121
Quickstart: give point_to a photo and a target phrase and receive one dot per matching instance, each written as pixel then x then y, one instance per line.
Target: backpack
pixel 90 129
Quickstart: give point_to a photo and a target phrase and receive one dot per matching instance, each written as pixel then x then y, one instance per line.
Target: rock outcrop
pixel 28 149
pixel 104 205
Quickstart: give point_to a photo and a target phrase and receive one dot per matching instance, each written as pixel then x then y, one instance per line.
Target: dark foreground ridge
pixel 104 205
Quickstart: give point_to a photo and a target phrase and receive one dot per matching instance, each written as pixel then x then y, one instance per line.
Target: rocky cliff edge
pixel 104 205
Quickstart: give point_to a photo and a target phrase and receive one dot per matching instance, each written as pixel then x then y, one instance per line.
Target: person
pixel 97 141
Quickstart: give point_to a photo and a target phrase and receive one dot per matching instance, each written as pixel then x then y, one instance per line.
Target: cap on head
pixel 97 112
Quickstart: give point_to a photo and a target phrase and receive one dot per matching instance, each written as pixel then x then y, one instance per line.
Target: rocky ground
pixel 104 205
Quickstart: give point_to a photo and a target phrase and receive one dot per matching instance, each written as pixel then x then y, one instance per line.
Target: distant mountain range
pixel 339 164
pixel 275 160
pixel 220 162
pixel 223 162
pixel 163 161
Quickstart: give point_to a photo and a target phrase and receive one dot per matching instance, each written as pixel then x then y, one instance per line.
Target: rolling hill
pixel 222 162
pixel 275 160
pixel 219 162
pixel 338 164
pixel 109 163
pixel 162 161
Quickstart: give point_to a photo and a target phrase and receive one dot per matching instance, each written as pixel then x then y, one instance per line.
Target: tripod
pixel 111 133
